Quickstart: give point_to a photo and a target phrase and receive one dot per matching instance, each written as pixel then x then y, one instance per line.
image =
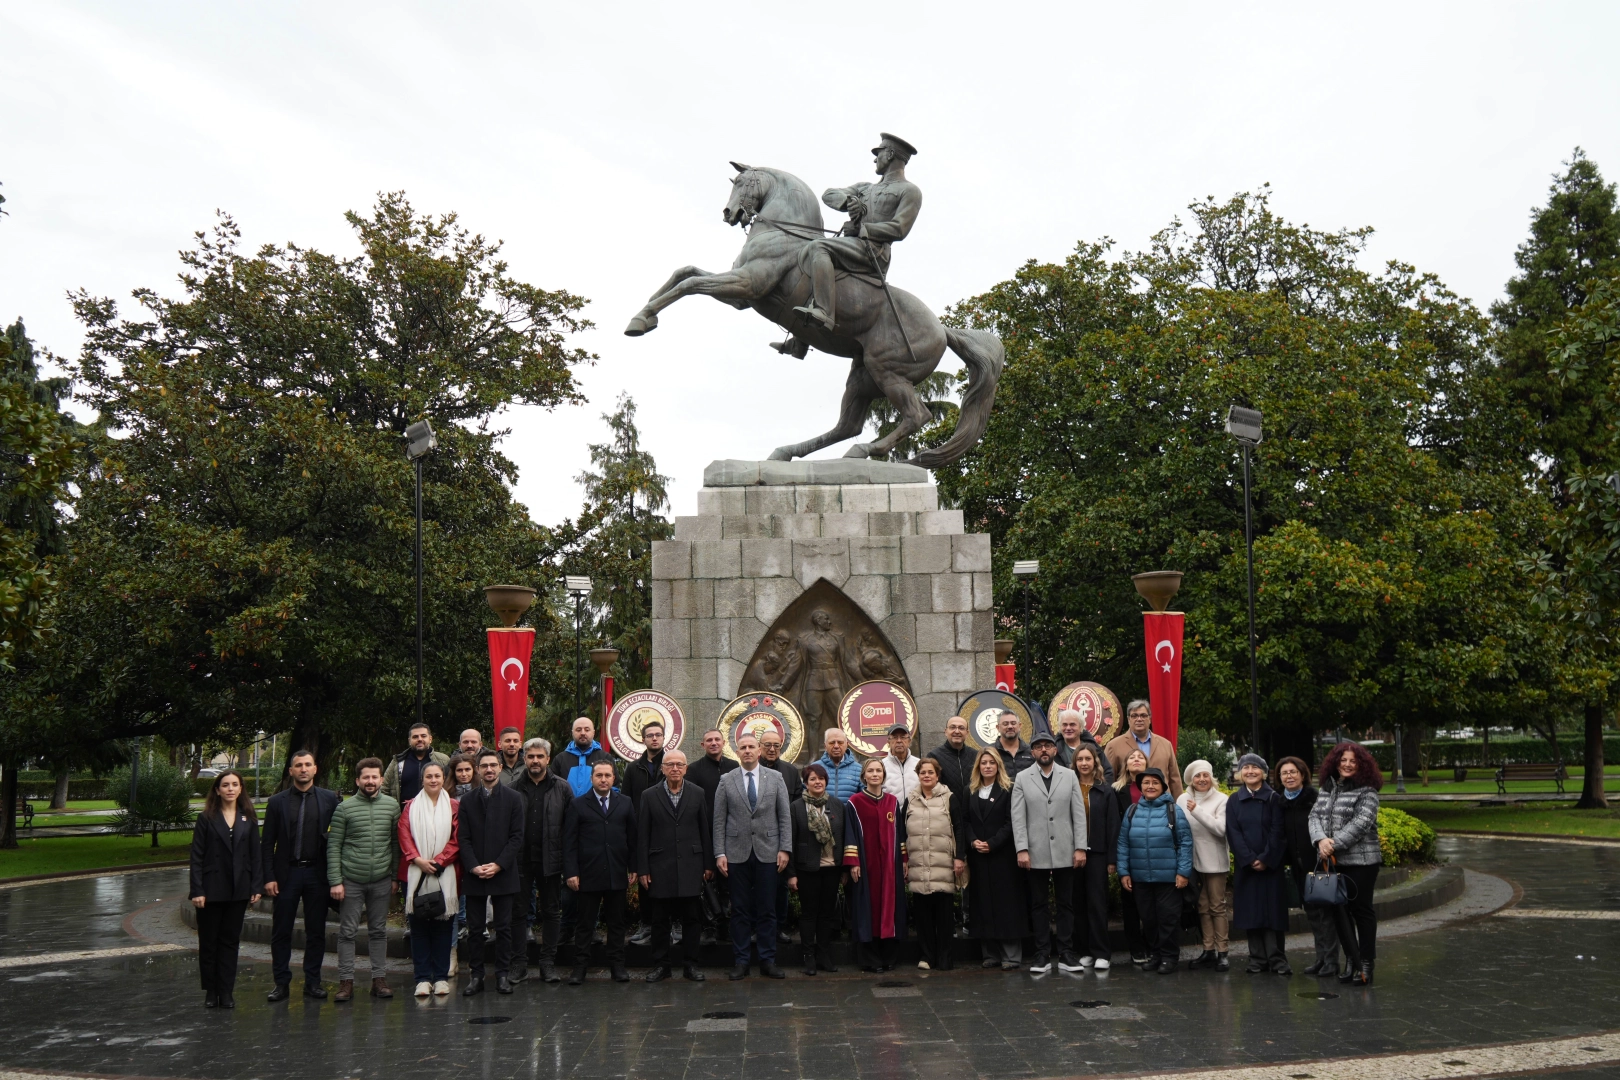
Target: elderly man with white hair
pixel 674 857
pixel 843 768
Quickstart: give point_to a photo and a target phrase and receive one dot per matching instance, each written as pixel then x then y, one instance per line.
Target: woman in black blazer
pixel 226 877
pixel 998 892
pixel 1091 880
pixel 817 868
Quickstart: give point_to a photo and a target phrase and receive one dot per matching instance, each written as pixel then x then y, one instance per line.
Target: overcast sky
pixel 593 139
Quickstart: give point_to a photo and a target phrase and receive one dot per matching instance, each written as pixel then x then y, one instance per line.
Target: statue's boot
pixel 791 347
pixel 810 310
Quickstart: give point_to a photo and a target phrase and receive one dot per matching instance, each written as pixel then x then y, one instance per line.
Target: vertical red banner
pixel 1162 635
pixel 510 650
pixel 1006 678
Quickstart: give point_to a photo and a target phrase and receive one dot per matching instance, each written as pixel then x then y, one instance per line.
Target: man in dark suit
pixel 293 844
pixel 706 772
pixel 490 823
pixel 599 837
pixel 674 857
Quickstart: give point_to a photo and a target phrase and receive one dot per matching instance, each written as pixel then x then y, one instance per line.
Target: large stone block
pixel 975 631
pixel 953 592
pixel 874 555
pixel 865 498
pixel 728 673
pixel 982 598
pixel 970 553
pixel 698 528
pixel 891 524
pixel 824 558
pixel 691 599
pixel 744 527
pixel 691 679
pixel 819 499
pixel 711 637
pixel 911 593
pixel 872 594
pixel 671 559
pixel 771 500
pixel 701 714
pixel 733 598
pixel 932 712
pixel 724 502
pixel 746 634
pixel 717 558
pixel 984 669
pixel 936 632
pixel 939 523
pixel 772 595
pixel 671 639
pixel 913 497
pixel 901 630
pixel 661 599
pixel 767 558
pixel 843 524
pixel 920 673
pixel 952 671
pixel 796 526
pixel 925 554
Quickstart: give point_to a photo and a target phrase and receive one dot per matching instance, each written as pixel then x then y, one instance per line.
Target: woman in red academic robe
pixel 875 852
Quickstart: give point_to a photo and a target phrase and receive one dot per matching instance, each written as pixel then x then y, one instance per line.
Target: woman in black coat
pixel 817 867
pixel 1091 880
pixel 226 876
pixel 998 892
pixel 1254 829
pixel 1294 782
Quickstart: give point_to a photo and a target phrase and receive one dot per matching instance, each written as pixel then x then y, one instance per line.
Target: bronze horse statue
pixel 893 342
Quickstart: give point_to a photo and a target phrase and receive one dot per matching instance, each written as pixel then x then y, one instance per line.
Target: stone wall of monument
pixel 749 552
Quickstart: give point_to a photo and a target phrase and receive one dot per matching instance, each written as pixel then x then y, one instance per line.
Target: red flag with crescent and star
pixel 510 650
pixel 1162 635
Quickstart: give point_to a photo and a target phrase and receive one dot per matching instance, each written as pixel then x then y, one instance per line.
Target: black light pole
pixel 579 587
pixel 419 440
pixel 1027 570
pixel 1244 425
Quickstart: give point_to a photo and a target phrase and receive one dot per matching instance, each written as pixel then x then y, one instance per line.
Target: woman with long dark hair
pixel 1091 880
pixel 1127 792
pixel 998 891
pixel 1344 828
pixel 1299 795
pixel 226 877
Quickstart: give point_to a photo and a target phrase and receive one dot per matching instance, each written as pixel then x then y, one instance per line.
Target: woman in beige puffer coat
pixel 933 864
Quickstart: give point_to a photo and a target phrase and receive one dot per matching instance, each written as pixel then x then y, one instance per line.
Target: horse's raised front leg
pixel 737 287
pixel 859 391
pixel 647 318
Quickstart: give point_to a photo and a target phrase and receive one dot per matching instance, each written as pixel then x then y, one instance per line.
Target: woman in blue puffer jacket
pixel 1155 859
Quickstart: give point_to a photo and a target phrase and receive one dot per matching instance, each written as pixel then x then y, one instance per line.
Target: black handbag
pixel 709 898
pixel 428 905
pixel 1327 886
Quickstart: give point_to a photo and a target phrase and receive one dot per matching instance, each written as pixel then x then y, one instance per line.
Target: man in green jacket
pixel 362 854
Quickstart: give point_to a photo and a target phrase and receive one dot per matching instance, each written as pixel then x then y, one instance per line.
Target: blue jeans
pixel 753 909
pixel 431 941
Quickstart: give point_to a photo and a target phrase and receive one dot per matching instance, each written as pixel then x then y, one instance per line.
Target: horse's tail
pixel 984 356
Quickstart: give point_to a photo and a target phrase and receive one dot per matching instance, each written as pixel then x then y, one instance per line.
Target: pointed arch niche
pixel 861 650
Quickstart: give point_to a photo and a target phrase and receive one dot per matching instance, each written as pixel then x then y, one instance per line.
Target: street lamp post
pixel 1244 425
pixel 419 440
pixel 1400 770
pixel 1026 571
pixel 579 587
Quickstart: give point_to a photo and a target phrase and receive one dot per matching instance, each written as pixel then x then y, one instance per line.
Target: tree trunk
pixel 1592 797
pixel 1411 748
pixel 59 798
pixel 8 797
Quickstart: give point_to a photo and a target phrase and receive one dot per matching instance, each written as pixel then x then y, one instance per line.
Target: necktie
pixel 604 806
pixel 753 796
pixel 298 833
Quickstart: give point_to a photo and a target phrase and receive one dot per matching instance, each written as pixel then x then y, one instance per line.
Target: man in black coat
pixel 293 847
pixel 647 771
pixel 490 820
pixel 706 772
pixel 674 857
pixel 545 806
pixel 599 841
pixel 1072 736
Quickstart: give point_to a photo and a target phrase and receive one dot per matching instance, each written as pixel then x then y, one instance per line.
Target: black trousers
pixel 547 906
pixel 614 909
pixel 1041 883
pixel 659 912
pixel 1357 922
pixel 880 954
pixel 476 916
pixel 1091 909
pixel 818 913
pixel 935 918
pixel 306 885
pixel 219 935
pixel 1159 904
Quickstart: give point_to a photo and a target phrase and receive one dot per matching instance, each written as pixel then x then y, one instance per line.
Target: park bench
pixel 25 810
pixel 1555 773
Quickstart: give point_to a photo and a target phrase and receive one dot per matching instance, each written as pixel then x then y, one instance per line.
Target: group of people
pixel 1019 838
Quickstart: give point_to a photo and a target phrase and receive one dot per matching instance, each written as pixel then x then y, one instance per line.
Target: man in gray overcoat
pixel 1049 833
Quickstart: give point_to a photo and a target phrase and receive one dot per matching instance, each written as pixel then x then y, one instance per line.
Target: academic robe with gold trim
pixel 875 841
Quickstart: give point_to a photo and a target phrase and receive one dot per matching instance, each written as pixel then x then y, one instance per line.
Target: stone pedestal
pixel 750 551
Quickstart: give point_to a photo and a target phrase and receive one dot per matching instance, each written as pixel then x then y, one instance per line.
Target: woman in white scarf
pixel 428 867
pixel 1205 807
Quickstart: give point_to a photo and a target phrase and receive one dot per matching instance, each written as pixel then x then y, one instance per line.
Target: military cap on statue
pixel 895 142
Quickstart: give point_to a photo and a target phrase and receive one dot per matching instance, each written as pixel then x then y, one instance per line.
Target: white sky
pixel 593 139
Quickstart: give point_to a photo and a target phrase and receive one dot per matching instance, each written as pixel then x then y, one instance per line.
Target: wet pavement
pixel 1482 980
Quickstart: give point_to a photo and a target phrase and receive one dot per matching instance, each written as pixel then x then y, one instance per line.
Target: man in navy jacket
pixel 599 836
pixel 490 831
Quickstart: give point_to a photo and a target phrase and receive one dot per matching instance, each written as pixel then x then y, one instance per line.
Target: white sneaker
pixel 441 988
pixel 423 989
pixel 1086 961
pixel 1102 964
pixel 923 965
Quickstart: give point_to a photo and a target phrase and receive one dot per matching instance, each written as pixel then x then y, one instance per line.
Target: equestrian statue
pixel 830 291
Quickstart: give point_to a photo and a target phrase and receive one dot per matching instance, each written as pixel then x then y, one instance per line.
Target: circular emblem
pixel 759 712
pixel 633 712
pixel 983 710
pixel 870 709
pixel 1097 708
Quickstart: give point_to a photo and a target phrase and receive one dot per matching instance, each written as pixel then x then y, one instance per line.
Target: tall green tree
pixel 1385 584
pixel 242 558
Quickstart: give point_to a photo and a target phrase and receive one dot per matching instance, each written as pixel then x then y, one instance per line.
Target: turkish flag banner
pixel 1162 635
pixel 1005 678
pixel 510 650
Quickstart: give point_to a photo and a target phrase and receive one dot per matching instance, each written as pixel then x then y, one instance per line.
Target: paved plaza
pixel 1522 973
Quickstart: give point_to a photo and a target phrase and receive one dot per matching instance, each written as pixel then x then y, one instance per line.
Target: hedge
pixel 1516 750
pixel 1404 838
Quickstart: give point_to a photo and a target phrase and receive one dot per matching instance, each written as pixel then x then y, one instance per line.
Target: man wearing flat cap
pixel 879 214
pixel 900 764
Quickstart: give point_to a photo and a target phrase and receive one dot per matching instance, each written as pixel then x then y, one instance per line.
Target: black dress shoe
pixel 314 989
pixel 692 973
pixel 518 973
pixel 503 983
pixel 1348 972
pixel 548 972
pixel 659 974
pixel 771 971
pixel 578 977
pixel 1256 966
pixel 210 1001
pixel 810 969
pixel 738 972
pixel 228 1001
pixel 1203 959
pixel 618 972
pixel 1364 975
pixel 1222 963
pixel 1167 967
pixel 826 965
pixel 474 986
pixel 281 993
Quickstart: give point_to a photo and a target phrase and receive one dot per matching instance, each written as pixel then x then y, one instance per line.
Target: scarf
pixel 815 811
pixel 430 829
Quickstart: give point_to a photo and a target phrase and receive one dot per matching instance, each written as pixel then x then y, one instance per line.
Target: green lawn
pixel 65 854
pixel 1545 818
